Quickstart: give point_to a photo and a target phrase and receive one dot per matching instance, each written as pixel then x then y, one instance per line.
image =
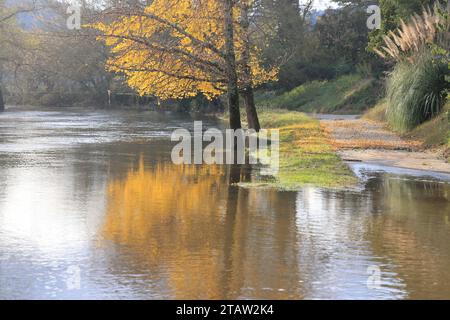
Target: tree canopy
pixel 176 49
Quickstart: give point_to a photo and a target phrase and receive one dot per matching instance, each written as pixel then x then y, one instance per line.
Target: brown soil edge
pixel 368 141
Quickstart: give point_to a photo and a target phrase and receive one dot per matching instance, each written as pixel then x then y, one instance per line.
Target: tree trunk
pixel 232 86
pixel 2 103
pixel 247 88
pixel 250 108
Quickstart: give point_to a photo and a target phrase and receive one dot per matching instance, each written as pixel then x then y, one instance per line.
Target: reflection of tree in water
pixel 207 237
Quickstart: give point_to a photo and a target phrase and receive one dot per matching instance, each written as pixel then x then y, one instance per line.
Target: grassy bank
pixel 306 156
pixel 348 94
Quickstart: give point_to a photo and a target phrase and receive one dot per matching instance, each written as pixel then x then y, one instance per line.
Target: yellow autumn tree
pixel 178 48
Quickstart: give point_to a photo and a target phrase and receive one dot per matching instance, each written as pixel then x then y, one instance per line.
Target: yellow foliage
pixel 174 49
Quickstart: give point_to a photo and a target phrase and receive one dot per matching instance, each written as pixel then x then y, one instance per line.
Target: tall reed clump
pixel 416 92
pixel 410 38
pixel 417 88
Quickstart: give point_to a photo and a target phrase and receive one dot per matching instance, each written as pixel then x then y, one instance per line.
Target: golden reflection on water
pixel 207 238
pixel 198 228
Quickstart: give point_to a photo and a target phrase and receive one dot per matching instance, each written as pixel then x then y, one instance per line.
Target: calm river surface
pixel 92 207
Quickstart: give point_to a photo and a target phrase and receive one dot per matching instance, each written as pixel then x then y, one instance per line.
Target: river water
pixel 91 207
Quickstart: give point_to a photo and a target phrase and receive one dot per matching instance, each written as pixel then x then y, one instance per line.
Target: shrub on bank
pixel 416 92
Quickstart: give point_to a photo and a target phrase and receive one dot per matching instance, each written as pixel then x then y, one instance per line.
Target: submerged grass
pixel 306 155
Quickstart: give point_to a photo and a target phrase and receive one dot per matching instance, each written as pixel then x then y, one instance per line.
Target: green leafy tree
pixel 343 36
pixel 392 12
pixel 284 33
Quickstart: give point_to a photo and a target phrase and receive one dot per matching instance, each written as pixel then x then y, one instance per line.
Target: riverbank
pixel 348 94
pixel 315 150
pixel 364 139
pixel 306 154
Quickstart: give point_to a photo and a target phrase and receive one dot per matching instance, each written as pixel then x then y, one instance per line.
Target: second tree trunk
pixel 2 103
pixel 232 85
pixel 247 85
pixel 250 108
